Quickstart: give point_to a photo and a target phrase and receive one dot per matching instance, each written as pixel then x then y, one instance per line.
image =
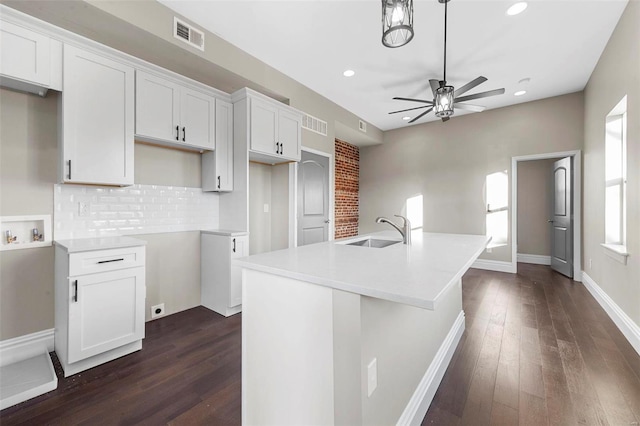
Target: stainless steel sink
pixel 373 243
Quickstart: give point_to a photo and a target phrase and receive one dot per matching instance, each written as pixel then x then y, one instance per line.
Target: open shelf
pixel 21 227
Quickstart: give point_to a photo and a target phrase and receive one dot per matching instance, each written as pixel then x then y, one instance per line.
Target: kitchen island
pixel 336 333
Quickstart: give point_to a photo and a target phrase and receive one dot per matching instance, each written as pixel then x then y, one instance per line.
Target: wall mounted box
pixel 21 227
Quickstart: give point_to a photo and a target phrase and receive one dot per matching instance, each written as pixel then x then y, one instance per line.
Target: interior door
pixel 562 220
pixel 313 199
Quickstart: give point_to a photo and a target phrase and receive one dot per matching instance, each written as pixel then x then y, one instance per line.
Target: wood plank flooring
pixel 537 350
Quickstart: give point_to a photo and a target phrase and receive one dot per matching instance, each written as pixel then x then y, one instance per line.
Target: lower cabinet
pixel 100 302
pixel 221 283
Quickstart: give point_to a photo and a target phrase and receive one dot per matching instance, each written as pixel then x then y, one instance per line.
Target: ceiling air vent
pixel 314 124
pixel 362 126
pixel 188 34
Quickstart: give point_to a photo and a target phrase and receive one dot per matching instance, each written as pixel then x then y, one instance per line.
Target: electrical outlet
pixel 266 208
pixel 372 376
pixel 157 311
pixel 590 263
pixel 83 209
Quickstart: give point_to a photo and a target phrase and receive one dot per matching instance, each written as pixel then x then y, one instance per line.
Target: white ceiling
pixel 554 43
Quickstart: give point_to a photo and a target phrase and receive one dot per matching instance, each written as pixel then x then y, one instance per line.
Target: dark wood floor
pixel 537 350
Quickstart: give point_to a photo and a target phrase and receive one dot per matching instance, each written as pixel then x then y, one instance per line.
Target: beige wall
pixel 448 162
pixel 617 74
pixel 28 171
pixel 535 188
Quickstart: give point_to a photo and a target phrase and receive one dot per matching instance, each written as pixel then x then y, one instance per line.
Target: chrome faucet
pixel 405 231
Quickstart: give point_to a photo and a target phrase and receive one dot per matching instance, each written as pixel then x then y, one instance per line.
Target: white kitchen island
pixel 340 334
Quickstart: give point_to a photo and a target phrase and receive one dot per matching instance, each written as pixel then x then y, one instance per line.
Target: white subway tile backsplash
pixel 138 209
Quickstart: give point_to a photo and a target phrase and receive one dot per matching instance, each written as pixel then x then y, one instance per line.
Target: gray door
pixel 313 199
pixel 562 220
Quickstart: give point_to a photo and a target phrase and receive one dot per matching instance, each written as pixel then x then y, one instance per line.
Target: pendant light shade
pixel 397 22
pixel 443 104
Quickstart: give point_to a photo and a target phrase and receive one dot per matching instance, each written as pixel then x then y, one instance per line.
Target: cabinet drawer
pixel 91 262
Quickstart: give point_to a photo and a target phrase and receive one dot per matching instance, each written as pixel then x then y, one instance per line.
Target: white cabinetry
pixel 274 129
pixel 217 166
pixel 97 119
pixel 99 302
pixel 221 283
pixel 29 61
pixel 169 113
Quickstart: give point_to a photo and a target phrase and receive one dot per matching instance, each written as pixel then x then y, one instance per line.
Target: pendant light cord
pixel 445 42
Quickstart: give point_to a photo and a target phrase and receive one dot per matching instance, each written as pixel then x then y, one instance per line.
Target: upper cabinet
pixel 97 143
pixel 29 61
pixel 274 129
pixel 169 113
pixel 217 166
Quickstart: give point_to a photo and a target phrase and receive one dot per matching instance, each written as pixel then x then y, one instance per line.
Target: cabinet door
pixel 290 134
pixel 239 248
pixel 157 104
pixel 224 145
pixel 98 119
pixel 25 55
pixel 197 119
pixel 106 311
pixel 264 126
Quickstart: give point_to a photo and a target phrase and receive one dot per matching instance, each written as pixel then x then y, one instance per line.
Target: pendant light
pixel 443 103
pixel 397 22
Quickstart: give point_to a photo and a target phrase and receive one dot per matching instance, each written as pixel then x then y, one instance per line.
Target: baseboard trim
pixel 536 259
pixel 626 325
pixel 493 265
pixel 24 347
pixel 418 405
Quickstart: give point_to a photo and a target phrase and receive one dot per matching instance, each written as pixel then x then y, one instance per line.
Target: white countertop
pixel 224 232
pixel 105 243
pixel 416 275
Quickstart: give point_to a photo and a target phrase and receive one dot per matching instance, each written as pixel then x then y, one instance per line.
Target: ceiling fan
pixel 446 98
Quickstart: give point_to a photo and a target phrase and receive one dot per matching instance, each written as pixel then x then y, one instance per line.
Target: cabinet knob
pixel 177 133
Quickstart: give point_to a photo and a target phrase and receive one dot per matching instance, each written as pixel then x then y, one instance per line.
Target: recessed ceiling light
pixel 406 118
pixel 520 93
pixel 517 8
pixel 349 73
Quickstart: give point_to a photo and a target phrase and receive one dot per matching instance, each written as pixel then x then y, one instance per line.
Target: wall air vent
pixel 314 124
pixel 362 126
pixel 188 34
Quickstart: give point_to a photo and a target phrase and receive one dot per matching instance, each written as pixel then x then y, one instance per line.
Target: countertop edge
pixel 92 244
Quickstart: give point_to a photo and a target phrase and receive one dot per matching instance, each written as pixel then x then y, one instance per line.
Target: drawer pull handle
pixel 234 245
pixel 177 133
pixel 218 182
pixel 75 291
pixel 112 260
pixel 184 134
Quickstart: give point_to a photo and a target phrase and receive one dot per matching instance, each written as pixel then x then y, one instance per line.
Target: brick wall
pixel 347 187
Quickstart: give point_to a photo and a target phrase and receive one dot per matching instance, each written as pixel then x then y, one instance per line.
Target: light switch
pixel 372 376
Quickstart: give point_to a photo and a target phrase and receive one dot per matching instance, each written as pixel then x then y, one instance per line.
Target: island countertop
pixel 417 275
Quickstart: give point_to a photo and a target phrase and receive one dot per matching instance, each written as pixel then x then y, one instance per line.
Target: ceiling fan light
pixel 443 103
pixel 397 22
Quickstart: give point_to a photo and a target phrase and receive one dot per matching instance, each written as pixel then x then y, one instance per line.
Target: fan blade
pixel 435 84
pixel 445 119
pixel 470 85
pixel 479 95
pixel 474 108
pixel 410 109
pixel 420 116
pixel 424 101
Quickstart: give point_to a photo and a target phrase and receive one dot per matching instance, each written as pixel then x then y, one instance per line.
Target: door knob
pixel 550 221
pixel 327 221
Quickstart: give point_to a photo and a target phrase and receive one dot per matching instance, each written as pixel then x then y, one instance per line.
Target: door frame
pixel 293 196
pixel 577 206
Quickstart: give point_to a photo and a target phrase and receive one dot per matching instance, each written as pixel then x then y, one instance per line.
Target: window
pixel 616 175
pixel 414 211
pixel 497 220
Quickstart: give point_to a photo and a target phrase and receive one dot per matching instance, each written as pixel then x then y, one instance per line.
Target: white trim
pixel 493 265
pixel 625 324
pixel 617 252
pixel 577 206
pixel 536 259
pixel 418 405
pixel 27 346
